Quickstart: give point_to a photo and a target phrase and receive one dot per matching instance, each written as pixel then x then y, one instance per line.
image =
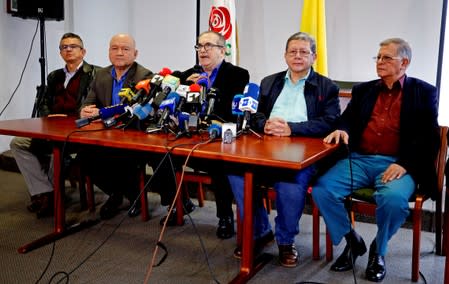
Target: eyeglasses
pixel 69 46
pixel 302 53
pixel 385 58
pixel 208 46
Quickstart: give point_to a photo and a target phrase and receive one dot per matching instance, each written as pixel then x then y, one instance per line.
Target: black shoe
pixel 111 207
pixel 376 270
pixel 135 210
pixel 188 208
pixel 47 205
pixel 225 228
pixel 354 248
pixel 259 244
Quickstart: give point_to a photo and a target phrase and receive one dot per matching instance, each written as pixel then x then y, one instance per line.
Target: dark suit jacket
pixel 323 105
pixel 419 130
pixel 100 92
pixel 56 77
pixel 230 80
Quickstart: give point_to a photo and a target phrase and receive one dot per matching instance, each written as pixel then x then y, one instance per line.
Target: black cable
pixel 23 71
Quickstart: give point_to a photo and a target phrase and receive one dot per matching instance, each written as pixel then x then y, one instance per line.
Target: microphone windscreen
pixel 251 90
pixel 165 71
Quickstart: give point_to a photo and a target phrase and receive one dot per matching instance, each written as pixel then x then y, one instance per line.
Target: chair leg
pixel 315 231
pixel 416 239
pixel 329 247
pixel 200 195
pixel 145 216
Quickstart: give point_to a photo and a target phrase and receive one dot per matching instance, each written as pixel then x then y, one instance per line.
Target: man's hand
pixel 336 136
pixel 394 171
pixel 89 111
pixel 277 126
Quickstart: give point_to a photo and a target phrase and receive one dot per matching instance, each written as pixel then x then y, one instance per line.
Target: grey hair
pixel 404 50
pixel 304 37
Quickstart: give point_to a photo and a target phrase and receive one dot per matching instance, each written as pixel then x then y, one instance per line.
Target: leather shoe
pixel 38 200
pixel 111 207
pixel 188 208
pixel 47 205
pixel 259 244
pixel 354 248
pixel 376 270
pixel 225 228
pixel 288 255
pixel 134 210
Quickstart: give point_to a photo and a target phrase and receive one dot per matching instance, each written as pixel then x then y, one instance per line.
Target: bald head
pixel 122 51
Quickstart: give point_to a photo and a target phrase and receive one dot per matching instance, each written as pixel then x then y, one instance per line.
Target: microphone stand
pixel 40 89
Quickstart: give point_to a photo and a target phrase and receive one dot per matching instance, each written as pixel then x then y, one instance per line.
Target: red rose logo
pixel 220 21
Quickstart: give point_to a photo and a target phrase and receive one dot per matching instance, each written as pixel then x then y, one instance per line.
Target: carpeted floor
pixel 120 250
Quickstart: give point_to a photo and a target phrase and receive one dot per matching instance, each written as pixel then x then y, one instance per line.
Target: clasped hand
pixel 277 126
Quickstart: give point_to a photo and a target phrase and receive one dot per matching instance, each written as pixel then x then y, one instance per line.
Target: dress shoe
pixel 134 211
pixel 354 248
pixel 225 228
pixel 376 270
pixel 288 255
pixel 188 208
pixel 259 244
pixel 37 201
pixel 47 205
pixel 111 207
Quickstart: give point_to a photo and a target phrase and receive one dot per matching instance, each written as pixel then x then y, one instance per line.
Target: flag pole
pixel 198 10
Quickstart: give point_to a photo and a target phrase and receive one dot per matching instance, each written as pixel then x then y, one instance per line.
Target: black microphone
pixel 212 97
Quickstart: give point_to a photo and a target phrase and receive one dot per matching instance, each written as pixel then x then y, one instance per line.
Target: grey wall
pixel 165 35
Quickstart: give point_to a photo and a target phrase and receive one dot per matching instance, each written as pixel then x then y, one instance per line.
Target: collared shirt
pixel 69 75
pixel 381 135
pixel 117 85
pixel 291 103
pixel 213 75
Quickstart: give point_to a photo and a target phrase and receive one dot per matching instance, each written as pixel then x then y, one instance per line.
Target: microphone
pixel 165 71
pixel 236 111
pixel 103 114
pixel 121 118
pixel 249 103
pixel 169 84
pixel 155 86
pixel 126 94
pixel 214 130
pixel 169 107
pixel 183 125
pixel 212 97
pixel 143 88
pixel 142 112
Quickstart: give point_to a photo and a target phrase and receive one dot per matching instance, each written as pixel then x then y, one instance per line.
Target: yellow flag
pixel 313 22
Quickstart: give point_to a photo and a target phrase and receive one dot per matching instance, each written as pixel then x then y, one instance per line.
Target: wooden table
pixel 290 153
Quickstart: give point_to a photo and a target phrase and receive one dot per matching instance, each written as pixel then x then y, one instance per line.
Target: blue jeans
pixel 391 198
pixel 290 201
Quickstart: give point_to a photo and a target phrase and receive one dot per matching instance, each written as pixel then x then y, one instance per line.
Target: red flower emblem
pixel 220 21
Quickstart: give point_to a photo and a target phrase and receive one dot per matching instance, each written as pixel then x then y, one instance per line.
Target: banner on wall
pixel 222 20
pixel 313 22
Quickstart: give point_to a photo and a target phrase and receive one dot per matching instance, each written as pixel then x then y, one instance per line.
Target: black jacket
pixel 230 81
pixel 419 131
pixel 323 105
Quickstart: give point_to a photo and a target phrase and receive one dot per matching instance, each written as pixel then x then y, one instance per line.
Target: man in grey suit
pixel 113 170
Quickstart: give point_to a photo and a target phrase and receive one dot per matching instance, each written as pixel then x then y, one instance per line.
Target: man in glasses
pixel 294 102
pixel 391 130
pixel 229 80
pixel 66 89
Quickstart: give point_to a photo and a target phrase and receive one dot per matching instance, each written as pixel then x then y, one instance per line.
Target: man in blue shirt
pixel 295 102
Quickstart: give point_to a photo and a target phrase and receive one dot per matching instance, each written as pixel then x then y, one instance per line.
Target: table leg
pixel 249 265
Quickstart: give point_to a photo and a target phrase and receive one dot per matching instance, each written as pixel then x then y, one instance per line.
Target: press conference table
pixel 250 152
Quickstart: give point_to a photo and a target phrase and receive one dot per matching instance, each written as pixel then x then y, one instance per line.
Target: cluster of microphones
pixel 163 103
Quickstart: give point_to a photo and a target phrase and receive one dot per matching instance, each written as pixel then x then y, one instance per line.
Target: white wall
pixel 165 35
